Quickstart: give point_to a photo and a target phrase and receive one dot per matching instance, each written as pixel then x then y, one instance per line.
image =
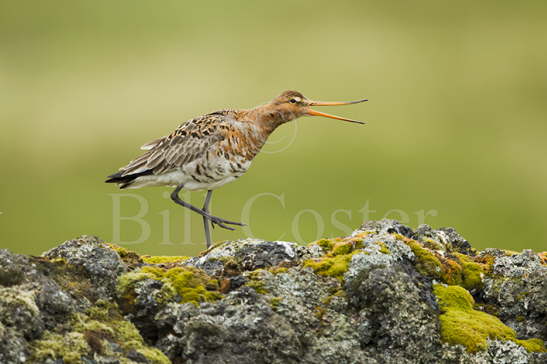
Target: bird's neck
pixel 266 118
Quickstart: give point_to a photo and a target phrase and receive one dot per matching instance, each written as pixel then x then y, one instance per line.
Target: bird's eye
pixel 293 101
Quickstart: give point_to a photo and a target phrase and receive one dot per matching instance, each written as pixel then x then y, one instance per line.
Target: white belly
pixel 194 176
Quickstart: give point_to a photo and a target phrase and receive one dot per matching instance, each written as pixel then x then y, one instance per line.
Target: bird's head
pixel 292 104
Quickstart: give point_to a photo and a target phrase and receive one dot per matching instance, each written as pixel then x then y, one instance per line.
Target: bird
pixel 214 149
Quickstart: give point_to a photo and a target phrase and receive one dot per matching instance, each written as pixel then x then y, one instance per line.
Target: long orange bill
pixel 335 103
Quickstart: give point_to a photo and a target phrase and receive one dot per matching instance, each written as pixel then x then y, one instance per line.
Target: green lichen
pixel 278 270
pixel 92 332
pixel 70 277
pixel 118 249
pixel 163 259
pixel 256 282
pixel 258 286
pixel 432 244
pixel 184 284
pixel 332 266
pixel 319 312
pixel 338 253
pixel 532 345
pixel 427 263
pixel 341 249
pixel 383 247
pixel 129 257
pixel 325 244
pixel 399 237
pixel 232 266
pixel 463 325
pixel 472 273
pixel 275 301
pixel 338 293
pixel 69 347
pixel 457 269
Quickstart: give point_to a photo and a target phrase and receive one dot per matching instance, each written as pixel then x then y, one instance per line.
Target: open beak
pixel 334 103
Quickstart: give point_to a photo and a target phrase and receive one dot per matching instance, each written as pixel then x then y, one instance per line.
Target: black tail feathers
pixel 126 180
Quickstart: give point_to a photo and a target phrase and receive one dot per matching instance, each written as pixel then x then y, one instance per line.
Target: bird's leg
pixel 205 219
pixel 214 219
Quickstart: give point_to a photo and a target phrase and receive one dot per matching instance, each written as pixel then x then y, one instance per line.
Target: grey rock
pixel 101 263
pixel 274 308
pixel 248 254
pixel 518 287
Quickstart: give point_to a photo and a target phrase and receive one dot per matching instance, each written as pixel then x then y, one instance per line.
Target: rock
pixel 384 294
pixel 518 288
pixel 101 263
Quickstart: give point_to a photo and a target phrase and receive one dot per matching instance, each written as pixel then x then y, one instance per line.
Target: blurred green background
pixel 457 116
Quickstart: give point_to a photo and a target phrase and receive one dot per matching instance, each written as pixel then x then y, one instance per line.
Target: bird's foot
pixel 223 223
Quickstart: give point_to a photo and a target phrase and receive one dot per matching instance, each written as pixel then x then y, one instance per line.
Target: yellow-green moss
pixel 458 269
pixel 461 324
pixel 118 249
pixel 69 347
pixel 341 249
pixel 338 253
pixel 278 270
pixel 427 263
pixel 163 259
pixel 255 281
pixel 472 272
pixel 129 257
pixel 399 236
pixel 432 244
pixel 325 244
pixel 188 283
pixel 258 286
pixel 89 332
pixel 275 301
pixel 383 247
pixel 319 312
pixel 333 266
pixel 532 345
pixel 338 293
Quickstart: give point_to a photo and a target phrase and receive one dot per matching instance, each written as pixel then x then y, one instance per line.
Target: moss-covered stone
pixel 256 282
pixel 184 284
pixel 383 247
pixel 463 325
pixel 163 259
pixel 472 272
pixel 332 266
pixel 128 257
pixel 532 345
pixel 338 253
pixel 338 293
pixel 94 331
pixel 69 347
pixel 427 263
pixel 325 244
pixel 278 270
pixel 275 301
pixel 457 269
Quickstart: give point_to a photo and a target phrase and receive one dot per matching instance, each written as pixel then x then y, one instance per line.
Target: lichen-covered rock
pixel 518 288
pixel 384 294
pixel 101 263
pixel 244 255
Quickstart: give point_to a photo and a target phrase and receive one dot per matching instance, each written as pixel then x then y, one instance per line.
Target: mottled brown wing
pixel 189 141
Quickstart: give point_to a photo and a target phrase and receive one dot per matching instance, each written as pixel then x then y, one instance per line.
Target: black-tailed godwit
pixel 211 150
